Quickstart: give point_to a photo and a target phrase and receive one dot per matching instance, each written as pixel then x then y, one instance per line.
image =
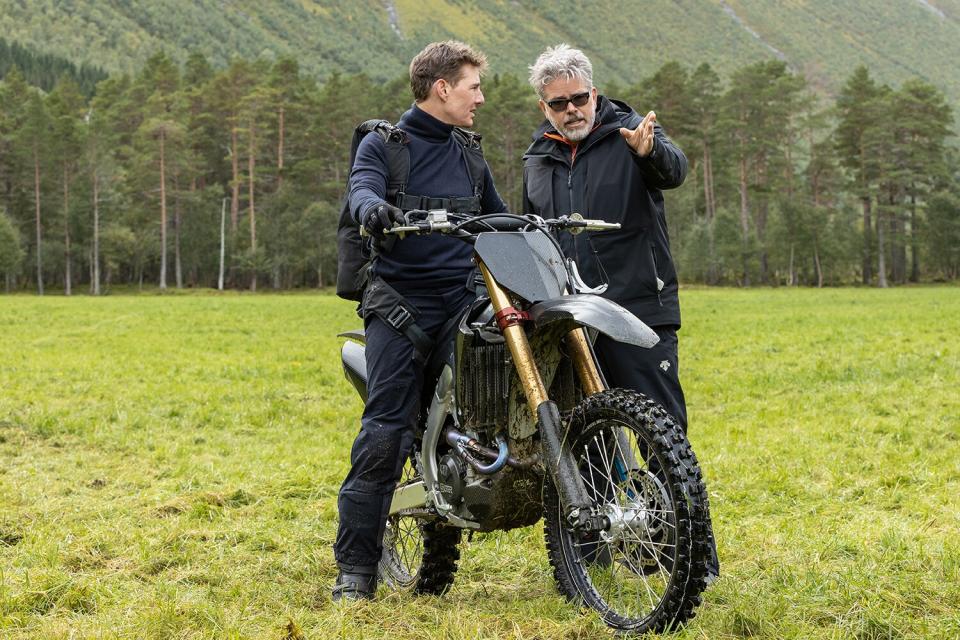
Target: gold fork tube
pixel 516 341
pixel 583 362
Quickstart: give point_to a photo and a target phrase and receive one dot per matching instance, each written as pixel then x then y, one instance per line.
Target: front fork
pixel 561 464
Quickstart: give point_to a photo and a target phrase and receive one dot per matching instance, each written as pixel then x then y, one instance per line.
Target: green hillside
pixel 628 40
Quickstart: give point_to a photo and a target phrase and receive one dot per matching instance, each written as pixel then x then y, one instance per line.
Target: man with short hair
pixel 428 275
pixel 598 157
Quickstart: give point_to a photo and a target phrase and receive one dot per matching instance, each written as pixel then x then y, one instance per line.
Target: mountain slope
pixel 627 40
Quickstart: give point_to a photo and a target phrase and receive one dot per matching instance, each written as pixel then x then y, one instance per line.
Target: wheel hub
pixel 632 521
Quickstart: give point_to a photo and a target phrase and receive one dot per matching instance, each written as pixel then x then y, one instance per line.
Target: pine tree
pixel 824 183
pixel 205 172
pixel 160 138
pixel 758 112
pixel 859 109
pixel 924 118
pixel 101 169
pixel 226 94
pixel 253 109
pixel 33 143
pixel 67 110
pixel 292 105
pixel 704 94
pixel 287 100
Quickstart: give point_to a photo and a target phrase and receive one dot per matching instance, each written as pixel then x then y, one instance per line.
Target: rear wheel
pixel 645 571
pixel 420 554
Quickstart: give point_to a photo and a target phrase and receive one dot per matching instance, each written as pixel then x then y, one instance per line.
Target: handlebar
pixel 441 221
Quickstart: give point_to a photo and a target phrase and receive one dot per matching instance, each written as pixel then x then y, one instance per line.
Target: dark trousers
pixel 394 384
pixel 653 372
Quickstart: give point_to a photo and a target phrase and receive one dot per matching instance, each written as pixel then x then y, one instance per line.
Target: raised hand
pixel 641 138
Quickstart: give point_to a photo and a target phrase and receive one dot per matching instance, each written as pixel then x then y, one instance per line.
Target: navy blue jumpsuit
pixel 431 273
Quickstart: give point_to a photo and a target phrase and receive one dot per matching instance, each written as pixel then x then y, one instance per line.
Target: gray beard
pixel 573 135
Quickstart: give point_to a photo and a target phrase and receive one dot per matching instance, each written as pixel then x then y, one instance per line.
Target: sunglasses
pixel 578 100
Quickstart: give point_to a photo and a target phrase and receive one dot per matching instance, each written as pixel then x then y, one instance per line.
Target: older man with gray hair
pixel 598 157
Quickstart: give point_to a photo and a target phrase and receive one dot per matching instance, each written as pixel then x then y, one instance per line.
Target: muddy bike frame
pixel 582 310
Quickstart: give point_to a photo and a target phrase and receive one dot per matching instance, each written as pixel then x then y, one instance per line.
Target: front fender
pixel 587 310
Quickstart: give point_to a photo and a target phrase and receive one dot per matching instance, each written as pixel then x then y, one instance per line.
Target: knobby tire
pixel 681 564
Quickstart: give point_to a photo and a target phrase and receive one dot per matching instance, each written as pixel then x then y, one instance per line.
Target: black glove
pixel 381 217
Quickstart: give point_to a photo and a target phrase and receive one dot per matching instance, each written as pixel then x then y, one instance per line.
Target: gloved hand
pixel 380 218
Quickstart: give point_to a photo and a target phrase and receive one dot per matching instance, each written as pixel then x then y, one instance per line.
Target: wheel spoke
pixel 608 468
pixel 404 547
pixel 592 482
pixel 615 472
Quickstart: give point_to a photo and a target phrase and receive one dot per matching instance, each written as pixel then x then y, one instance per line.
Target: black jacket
pixel 608 181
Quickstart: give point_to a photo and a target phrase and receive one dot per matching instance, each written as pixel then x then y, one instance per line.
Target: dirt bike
pixel 517 424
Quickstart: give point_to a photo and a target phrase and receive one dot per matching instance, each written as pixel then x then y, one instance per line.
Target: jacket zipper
pixel 570 206
pixel 576 246
pixel 657 282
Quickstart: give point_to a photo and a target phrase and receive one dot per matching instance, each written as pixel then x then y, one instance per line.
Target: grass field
pixel 169 468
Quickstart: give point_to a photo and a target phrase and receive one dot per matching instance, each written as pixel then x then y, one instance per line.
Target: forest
pixel 160 173
pixel 43 69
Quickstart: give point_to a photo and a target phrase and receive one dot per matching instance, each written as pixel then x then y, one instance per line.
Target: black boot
pixel 354 586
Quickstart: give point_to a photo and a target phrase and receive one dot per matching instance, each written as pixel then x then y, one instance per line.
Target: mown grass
pixel 169 468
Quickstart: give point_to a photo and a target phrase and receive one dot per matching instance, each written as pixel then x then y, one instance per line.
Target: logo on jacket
pixel 665 365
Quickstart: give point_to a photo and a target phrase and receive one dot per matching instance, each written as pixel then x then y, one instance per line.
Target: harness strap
pixel 387 304
pixel 408 201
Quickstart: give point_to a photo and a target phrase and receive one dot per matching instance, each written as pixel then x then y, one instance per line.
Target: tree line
pixel 197 177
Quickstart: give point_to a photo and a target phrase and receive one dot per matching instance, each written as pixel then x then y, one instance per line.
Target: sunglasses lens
pixel 578 100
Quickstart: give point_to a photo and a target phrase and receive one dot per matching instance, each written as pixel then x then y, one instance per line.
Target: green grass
pixel 169 468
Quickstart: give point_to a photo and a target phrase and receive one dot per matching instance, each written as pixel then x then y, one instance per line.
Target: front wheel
pixel 646 570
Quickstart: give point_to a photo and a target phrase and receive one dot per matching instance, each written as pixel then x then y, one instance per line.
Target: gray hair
pixel 561 61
